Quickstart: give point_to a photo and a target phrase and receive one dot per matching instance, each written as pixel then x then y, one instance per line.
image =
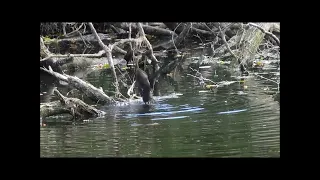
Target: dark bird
pixel 142 81
pixel 143 84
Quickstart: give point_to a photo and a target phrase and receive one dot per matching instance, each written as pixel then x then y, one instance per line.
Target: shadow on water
pixel 238 120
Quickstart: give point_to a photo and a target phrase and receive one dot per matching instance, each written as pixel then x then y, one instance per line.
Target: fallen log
pixel 202 32
pixel 58 61
pixel 80 43
pixel 78 108
pixel 52 109
pixel 174 26
pixel 174 42
pixel 148 30
pixel 95 94
pixel 84 62
pixel 197 28
pixel 73 106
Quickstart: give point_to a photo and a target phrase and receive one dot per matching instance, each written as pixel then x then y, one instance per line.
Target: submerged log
pixel 77 107
pixel 73 106
pixel 52 108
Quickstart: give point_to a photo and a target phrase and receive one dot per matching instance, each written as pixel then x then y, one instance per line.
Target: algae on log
pixel 246 43
pixel 44 51
pixel 52 108
pixel 253 39
pixel 85 62
pixel 75 107
pixel 80 44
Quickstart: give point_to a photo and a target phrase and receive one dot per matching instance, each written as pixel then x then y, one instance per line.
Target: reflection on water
pixel 231 122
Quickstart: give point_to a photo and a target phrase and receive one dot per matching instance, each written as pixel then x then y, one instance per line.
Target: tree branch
pixel 109 56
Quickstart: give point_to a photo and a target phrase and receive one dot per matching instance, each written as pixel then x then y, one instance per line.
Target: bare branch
pixel 88 89
pixel 141 31
pixel 173 39
pixel 226 43
pixel 67 35
pixel 109 56
pixel 116 48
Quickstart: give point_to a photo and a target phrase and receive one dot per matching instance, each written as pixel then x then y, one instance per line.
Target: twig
pixel 172 38
pixel 131 89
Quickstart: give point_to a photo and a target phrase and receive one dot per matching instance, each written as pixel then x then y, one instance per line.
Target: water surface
pixel 239 120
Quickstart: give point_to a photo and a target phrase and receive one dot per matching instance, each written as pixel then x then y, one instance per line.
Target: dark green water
pixel 232 122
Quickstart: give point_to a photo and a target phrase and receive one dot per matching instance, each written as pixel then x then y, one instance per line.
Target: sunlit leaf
pixel 106 66
pixel 210 86
pixel 170 74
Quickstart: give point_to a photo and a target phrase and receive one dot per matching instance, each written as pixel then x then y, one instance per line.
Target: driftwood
pixel 77 107
pixel 52 108
pixel 60 61
pixel 141 39
pixel 175 42
pixel 196 28
pixel 172 32
pixel 79 39
pixel 202 32
pixel 73 106
pixel 95 94
pixel 148 30
pixel 237 40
